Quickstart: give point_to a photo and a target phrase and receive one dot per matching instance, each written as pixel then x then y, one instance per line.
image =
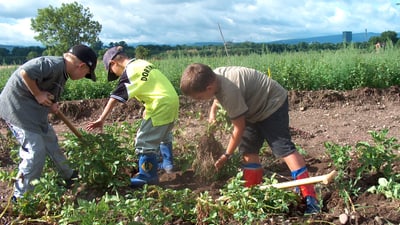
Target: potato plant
pixel 377 158
pixel 100 160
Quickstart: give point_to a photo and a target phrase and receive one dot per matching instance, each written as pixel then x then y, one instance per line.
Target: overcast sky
pixel 188 21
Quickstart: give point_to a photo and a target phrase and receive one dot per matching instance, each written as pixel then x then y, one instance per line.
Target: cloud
pixel 187 21
pixel 18 32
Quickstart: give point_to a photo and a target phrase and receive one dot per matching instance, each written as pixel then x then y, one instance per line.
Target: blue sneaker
pixel 312 205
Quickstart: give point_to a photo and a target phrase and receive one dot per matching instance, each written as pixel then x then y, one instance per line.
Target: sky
pixel 188 21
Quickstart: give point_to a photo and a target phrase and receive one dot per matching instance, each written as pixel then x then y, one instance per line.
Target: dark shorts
pixel 274 129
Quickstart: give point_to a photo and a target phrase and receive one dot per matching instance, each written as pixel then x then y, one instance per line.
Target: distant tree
pixel 19 51
pixel 374 40
pixel 141 52
pixel 384 37
pixel 31 55
pixel 97 46
pixel 389 36
pixel 4 52
pixel 130 51
pixel 121 43
pixel 60 28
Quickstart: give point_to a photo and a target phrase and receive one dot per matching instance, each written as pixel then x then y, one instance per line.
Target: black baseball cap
pixel 88 56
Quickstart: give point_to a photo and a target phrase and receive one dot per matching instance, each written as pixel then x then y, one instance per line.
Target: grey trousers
pixel 33 151
pixel 149 137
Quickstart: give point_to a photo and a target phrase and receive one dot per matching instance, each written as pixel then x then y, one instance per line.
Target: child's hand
pixel 44 98
pixel 212 120
pixel 96 124
pixel 54 108
pixel 221 162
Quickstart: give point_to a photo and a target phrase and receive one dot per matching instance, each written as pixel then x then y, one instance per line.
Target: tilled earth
pixel 316 117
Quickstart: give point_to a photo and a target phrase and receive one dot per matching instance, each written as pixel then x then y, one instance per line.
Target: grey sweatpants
pixel 149 137
pixel 33 151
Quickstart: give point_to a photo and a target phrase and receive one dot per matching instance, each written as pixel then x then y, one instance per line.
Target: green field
pixel 336 70
pixel 103 158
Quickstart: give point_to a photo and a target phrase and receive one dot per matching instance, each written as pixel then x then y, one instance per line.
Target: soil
pixel 316 117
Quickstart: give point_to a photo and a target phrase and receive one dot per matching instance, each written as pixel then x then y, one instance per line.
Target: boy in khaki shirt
pixel 258 109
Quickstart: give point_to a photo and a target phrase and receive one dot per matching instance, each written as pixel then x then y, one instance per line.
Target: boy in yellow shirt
pixel 140 79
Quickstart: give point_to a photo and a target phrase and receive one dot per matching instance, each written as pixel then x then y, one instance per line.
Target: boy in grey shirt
pixel 30 94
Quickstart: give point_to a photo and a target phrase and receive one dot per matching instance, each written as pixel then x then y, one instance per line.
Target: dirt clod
pixel 209 150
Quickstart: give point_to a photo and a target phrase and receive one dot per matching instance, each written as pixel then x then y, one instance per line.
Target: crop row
pixel 336 70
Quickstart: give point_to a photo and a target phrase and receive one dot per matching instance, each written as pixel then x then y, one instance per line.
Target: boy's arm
pixel 239 125
pixel 106 111
pixel 213 112
pixel 42 97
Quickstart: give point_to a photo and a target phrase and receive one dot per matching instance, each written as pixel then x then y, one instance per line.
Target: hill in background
pixel 8 47
pixel 334 39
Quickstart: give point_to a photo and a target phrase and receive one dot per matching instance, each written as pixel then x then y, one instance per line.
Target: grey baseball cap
pixel 108 56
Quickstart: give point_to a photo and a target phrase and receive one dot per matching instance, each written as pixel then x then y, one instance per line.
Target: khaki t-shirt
pixel 247 91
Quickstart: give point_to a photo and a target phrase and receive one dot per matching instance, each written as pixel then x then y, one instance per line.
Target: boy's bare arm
pixel 213 112
pixel 239 125
pixel 106 111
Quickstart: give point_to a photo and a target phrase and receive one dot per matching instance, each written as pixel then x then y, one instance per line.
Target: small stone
pixel 343 218
pixel 378 220
pixel 138 219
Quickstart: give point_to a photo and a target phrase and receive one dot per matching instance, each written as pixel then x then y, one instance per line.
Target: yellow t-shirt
pixel 143 81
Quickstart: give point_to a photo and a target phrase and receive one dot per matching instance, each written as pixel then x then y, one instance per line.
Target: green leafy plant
pixel 100 159
pixel 45 201
pixel 341 159
pixel 124 133
pixel 222 119
pixel 242 205
pixel 372 158
pixel 150 205
pixel 388 187
pixel 377 157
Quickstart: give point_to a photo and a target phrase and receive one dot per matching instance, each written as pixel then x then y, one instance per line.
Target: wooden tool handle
pixel 65 120
pixel 325 179
pixel 69 124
